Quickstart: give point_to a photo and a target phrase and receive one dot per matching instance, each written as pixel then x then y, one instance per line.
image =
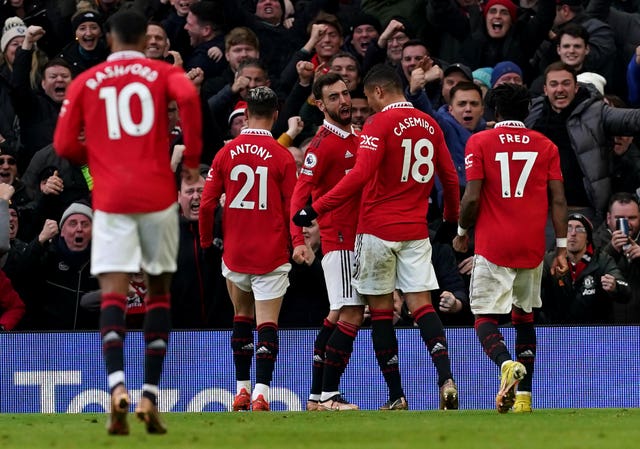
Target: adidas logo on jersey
pixel 247 347
pixel 348 154
pixel 317 358
pixel 438 347
pixel 527 353
pixel 393 360
pixel 263 350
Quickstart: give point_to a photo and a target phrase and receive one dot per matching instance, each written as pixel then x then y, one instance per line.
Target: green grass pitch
pixel 544 428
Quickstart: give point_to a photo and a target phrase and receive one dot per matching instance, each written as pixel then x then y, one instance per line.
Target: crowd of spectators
pixel 579 58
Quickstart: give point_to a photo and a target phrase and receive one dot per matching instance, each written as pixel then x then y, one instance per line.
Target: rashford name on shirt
pixel 116 70
pixel 248 148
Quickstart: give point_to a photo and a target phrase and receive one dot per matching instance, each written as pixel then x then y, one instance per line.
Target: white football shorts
pixel 126 243
pixel 264 286
pixel 338 266
pixel 494 289
pixel 383 266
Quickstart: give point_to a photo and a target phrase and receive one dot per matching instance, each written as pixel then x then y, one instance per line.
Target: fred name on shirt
pixel 514 138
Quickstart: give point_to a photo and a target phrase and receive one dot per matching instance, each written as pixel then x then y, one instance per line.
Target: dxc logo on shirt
pixel 369 142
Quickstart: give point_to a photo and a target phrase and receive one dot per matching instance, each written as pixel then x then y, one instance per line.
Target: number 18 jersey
pixel 400 151
pixel 515 165
pixel 258 176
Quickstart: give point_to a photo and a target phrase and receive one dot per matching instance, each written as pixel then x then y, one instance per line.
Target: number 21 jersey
pixel 258 176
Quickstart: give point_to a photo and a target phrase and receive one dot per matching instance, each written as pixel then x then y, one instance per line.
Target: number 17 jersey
pixel 515 165
pixel 258 176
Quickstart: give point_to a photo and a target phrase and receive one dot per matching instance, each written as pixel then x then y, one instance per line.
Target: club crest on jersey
pixel 369 142
pixel 310 160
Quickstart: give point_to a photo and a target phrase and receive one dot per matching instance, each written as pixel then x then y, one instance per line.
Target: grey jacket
pixel 591 126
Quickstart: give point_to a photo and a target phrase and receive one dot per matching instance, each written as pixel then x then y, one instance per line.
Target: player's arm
pixel 209 200
pixel 367 164
pixel 66 138
pixel 468 213
pixel 188 100
pixel 559 219
pixel 301 193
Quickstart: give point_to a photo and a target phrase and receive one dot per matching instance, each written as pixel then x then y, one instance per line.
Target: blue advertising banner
pixel 576 367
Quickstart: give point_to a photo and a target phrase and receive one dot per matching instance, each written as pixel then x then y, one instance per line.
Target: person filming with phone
pixel 619 237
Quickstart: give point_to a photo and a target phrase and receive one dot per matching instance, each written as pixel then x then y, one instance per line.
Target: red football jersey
pixel 121 107
pixel 400 151
pixel 257 175
pixel 515 165
pixel 330 156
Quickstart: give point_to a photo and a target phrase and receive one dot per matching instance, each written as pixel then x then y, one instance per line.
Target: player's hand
pixel 6 191
pixel 461 243
pixel 303 254
pixel 304 217
pixel 190 175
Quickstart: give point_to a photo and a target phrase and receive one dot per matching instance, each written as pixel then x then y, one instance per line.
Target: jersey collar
pixel 510 124
pixel 335 130
pixel 125 54
pixel 400 104
pixel 256 132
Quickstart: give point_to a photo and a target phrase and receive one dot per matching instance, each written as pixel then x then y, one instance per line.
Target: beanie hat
pixel 76 208
pixel 88 15
pixel 365 19
pixel 13 27
pixel 595 79
pixel 502 68
pixel 238 110
pixel 483 75
pixel 513 10
pixel 585 222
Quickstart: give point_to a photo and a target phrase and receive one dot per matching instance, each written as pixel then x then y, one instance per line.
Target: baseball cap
pixel 457 67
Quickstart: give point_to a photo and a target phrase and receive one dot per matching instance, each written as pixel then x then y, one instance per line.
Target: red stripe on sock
pixel 422 311
pixel 268 324
pixel 521 317
pixel 113 300
pixel 348 328
pixel 243 319
pixel 484 319
pixel 328 324
pixel 381 314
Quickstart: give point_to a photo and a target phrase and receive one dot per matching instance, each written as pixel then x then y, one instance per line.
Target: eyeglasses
pixel 7 160
pixel 577 229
